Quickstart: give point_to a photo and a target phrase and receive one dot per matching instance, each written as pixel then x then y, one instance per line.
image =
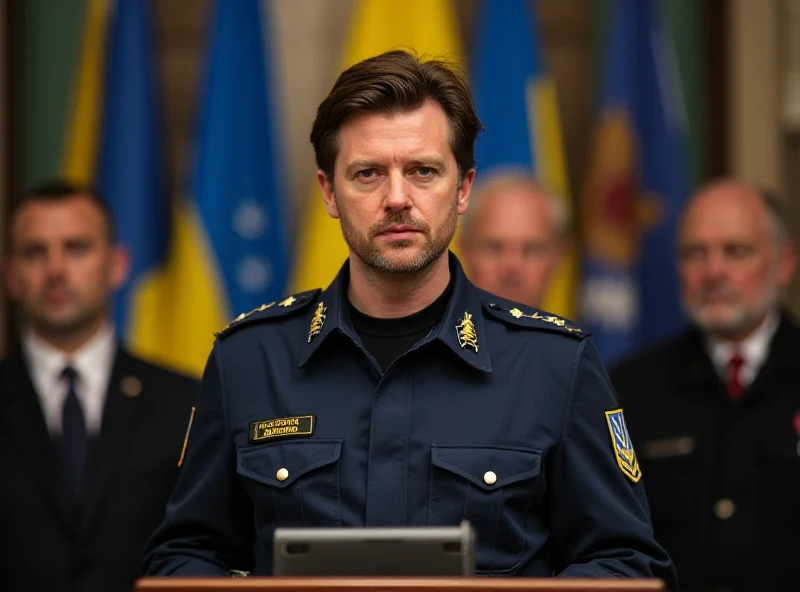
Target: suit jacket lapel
pixel 26 427
pixel 695 370
pixel 120 416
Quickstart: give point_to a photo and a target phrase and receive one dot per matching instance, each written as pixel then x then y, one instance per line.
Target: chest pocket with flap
pixel 495 489
pixel 293 483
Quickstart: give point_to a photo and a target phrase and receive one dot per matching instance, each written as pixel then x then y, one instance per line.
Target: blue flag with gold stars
pixel 637 183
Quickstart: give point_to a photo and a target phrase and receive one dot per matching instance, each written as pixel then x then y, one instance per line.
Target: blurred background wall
pixel 738 62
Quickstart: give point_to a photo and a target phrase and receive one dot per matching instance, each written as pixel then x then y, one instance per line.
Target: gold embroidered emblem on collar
pixel 467 335
pixel 244 315
pixel 559 322
pixel 317 321
pixel 288 302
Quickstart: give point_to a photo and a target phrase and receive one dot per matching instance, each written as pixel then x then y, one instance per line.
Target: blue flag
pixel 237 181
pixel 508 64
pixel 130 172
pixel 637 184
pixel 517 102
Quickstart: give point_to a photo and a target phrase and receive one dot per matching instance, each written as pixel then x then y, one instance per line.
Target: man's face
pixel 396 189
pixel 732 267
pixel 62 269
pixel 513 248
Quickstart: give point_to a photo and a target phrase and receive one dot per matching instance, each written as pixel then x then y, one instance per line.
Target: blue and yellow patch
pixel 623 447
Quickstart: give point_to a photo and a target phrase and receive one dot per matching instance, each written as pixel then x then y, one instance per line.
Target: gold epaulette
pixel 273 310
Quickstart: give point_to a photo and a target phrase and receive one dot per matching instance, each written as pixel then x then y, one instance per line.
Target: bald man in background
pixel 513 236
pixel 714 414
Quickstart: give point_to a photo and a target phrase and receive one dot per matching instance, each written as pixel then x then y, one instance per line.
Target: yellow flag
pixel 559 297
pixel 78 158
pixel 178 309
pixel 425 27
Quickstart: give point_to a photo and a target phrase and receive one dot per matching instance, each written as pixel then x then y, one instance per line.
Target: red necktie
pixel 735 387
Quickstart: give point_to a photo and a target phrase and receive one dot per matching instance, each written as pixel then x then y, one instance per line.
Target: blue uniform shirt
pixel 498 416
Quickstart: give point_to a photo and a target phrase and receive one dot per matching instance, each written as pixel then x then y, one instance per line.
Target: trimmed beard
pixel 365 248
pixel 743 317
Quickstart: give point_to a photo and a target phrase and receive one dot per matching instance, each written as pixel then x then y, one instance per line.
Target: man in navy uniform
pixel 402 394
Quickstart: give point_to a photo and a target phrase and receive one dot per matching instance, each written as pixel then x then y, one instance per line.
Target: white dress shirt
pixel 754 350
pixel 92 363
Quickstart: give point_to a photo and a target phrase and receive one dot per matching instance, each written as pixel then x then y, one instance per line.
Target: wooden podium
pixel 479 584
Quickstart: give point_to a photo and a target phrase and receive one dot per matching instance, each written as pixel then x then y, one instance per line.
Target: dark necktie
pixel 75 440
pixel 735 386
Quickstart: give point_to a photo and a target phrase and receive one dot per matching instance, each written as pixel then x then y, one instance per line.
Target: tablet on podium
pixel 403 551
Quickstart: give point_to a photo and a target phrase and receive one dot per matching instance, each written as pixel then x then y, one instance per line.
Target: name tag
pixel 281 427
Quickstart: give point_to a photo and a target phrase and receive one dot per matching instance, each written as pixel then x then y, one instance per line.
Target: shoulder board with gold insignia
pixel 271 310
pixel 530 318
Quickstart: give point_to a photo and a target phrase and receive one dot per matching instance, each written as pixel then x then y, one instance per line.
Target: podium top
pixel 479 584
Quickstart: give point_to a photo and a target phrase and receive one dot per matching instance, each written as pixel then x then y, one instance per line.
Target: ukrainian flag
pixel 517 102
pixel 114 140
pixel 219 249
pixel 228 252
pixel 79 153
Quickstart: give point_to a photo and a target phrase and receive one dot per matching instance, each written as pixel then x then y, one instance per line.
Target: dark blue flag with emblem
pixel 637 183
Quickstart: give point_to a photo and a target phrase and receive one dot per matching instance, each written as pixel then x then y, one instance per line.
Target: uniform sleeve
pixel 600 519
pixel 207 528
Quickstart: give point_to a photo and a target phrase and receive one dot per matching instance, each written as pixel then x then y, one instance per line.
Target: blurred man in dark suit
pixel 715 413
pixel 513 237
pixel 91 435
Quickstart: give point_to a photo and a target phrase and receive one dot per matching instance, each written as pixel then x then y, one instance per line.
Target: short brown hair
pixel 397 82
pixel 56 190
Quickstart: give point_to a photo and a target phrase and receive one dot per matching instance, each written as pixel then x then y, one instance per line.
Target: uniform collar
pixel 465 309
pixel 462 326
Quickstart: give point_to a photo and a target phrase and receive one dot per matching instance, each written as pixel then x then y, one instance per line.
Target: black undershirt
pixel 387 339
